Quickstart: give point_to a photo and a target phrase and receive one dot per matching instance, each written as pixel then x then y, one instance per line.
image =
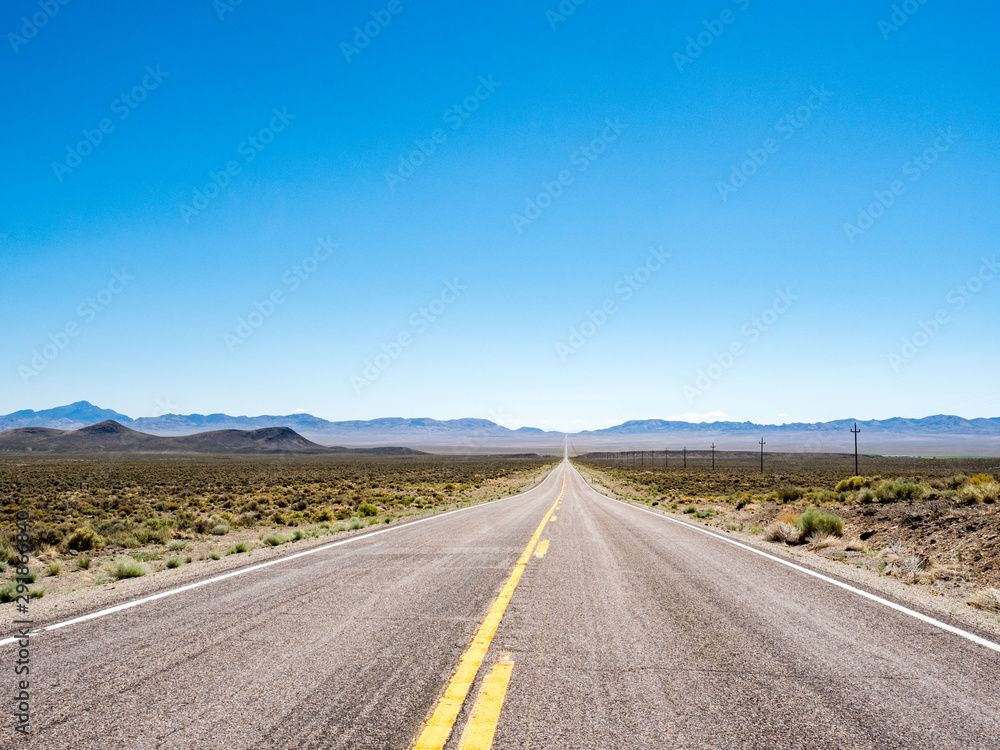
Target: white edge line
pixel 846 586
pixel 259 566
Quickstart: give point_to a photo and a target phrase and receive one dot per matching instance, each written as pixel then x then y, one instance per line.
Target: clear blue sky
pixel 835 101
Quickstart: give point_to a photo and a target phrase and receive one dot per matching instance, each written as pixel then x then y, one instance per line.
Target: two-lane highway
pixel 555 619
pixel 637 631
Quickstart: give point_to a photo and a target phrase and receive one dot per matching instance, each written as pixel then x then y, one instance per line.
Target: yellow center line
pixel 438 727
pixel 543 547
pixel 482 725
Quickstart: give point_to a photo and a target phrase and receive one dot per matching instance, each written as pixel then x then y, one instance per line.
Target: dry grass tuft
pixel 856 545
pixel 820 539
pixel 909 567
pixel 788 516
pixel 782 531
pixel 988 600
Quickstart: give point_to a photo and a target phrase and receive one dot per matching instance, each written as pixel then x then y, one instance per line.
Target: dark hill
pixel 110 436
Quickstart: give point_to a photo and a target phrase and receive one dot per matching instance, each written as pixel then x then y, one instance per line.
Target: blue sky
pixel 570 215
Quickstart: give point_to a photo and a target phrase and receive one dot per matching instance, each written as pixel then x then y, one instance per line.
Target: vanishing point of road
pixel 558 618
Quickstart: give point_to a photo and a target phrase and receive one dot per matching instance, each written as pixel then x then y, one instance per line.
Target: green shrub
pixel 174 562
pixel 815 520
pixel 8 592
pixel 239 548
pixel 84 539
pixel 909 491
pixel 899 490
pixel 83 562
pixel 128 567
pixel 789 494
pixel 980 492
pixel 690 509
pixel 854 483
pixel 54 569
pixel 214 554
pixel 129 541
pixel 356 523
pixel 36 593
pixel 275 539
pixel 156 535
pixel 367 509
pixel 956 481
pixel 822 497
pixel 175 545
pixel 220 529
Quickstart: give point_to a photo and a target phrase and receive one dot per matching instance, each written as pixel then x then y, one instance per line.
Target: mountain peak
pixel 107 427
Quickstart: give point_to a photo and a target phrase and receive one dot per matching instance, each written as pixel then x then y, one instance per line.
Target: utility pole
pixel 713 456
pixel 685 457
pixel 855 431
pixel 762 444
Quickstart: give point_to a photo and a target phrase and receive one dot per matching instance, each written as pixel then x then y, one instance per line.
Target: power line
pixel 856 430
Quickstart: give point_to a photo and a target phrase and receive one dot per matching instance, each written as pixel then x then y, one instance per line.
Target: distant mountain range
pixel 935 435
pixel 939 424
pixel 111 436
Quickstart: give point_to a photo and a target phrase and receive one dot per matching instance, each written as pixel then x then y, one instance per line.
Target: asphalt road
pixel 632 631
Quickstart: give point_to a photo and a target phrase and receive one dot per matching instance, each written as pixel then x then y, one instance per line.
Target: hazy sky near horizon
pixel 564 215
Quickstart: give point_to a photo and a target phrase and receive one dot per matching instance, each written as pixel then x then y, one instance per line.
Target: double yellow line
pixel 438 727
